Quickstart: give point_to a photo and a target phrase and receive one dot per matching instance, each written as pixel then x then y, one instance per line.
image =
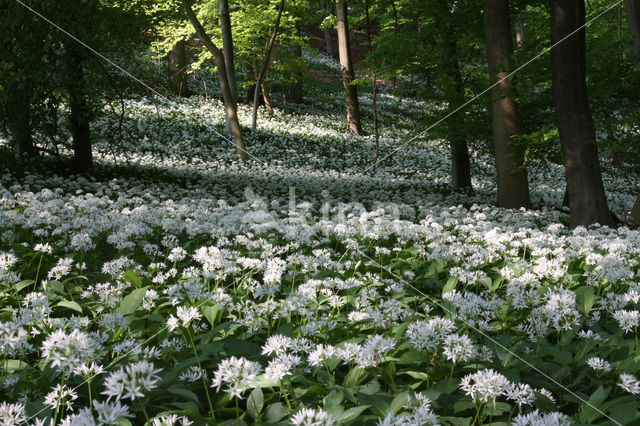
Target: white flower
pixel 131 382
pixel 60 395
pixel 239 374
pixel 535 418
pixel 311 417
pixel 429 334
pixel 108 412
pixel 281 366
pixel 629 383
pixel 627 319
pixel 521 394
pixel 276 344
pixel 484 385
pixel 459 348
pixel 12 414
pixel 599 364
pixel 70 352
pixel 373 349
pixel 561 308
pixel 172 420
pixel 320 354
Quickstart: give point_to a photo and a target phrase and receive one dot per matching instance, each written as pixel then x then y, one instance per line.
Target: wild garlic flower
pixel 132 381
pixel 172 420
pixel 70 352
pixel 536 418
pixel 373 349
pixel 429 334
pixel 459 348
pixel 12 414
pixel 281 366
pixel 484 385
pixel 599 364
pixel 61 395
pixel 276 344
pixel 108 412
pixel 629 383
pixel 238 374
pixel 311 417
pixel 561 308
pixel 320 354
pixel 521 394
pixel 627 319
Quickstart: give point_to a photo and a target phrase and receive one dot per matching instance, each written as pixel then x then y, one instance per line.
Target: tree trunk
pixel 634 220
pixel 227 50
pixel 633 17
pixel 374 87
pixel 346 64
pixel 293 92
pixel 230 105
pixel 265 65
pixel 587 201
pixel 513 187
pixel 519 28
pixel 328 47
pixel 178 70
pixel 80 112
pixel 460 162
pixel 267 99
pixel 19 124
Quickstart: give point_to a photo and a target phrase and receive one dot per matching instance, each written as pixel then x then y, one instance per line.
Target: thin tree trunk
pixel 587 201
pixel 230 106
pixel 346 64
pixel 178 70
pixel 633 17
pixel 519 29
pixel 513 187
pixel 19 123
pixel 328 47
pixel 293 92
pixel 373 91
pixel 460 161
pixel 266 97
pixel 634 220
pixel 80 113
pixel 227 50
pixel 265 65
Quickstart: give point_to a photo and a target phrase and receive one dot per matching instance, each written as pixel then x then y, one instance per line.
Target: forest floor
pixel 178 283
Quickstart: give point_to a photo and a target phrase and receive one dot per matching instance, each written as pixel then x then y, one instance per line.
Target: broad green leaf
pixel 351 413
pixel 131 302
pixel 255 403
pixel 23 284
pixel 334 398
pixel 399 401
pixel 133 278
pixel 13 365
pixel 275 412
pixel 70 304
pixel 212 314
pixel 585 297
pixel 450 285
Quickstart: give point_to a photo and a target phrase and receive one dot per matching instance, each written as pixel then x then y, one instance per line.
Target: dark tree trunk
pixel 229 58
pixel 633 17
pixel 80 112
pixel 229 104
pixel 346 64
pixel 513 187
pixel 178 70
pixel 587 201
pixel 460 162
pixel 266 97
pixel 634 220
pixel 263 69
pixel 293 92
pixel 327 35
pixel 19 123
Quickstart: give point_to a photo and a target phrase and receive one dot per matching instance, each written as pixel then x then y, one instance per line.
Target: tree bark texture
pixel 263 68
pixel 460 161
pixel 178 70
pixel 80 112
pixel 513 186
pixel 230 105
pixel 19 124
pixel 633 17
pixel 346 64
pixel 587 201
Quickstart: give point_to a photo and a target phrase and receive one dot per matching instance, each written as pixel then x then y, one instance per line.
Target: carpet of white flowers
pixel 302 288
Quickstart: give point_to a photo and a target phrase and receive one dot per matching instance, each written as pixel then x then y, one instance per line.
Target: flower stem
pixel 204 380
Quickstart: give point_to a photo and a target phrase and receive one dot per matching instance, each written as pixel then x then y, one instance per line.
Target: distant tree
pixel 633 18
pixel 513 186
pixel 585 190
pixel 178 69
pixel 230 105
pixel 346 64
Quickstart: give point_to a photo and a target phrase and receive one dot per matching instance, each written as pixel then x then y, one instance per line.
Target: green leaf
pixel 131 302
pixel 23 284
pixel 378 402
pixel 70 304
pixel 185 393
pixel 54 287
pixel 354 377
pixel 13 365
pixel 450 285
pixel 276 412
pixel 585 297
pixel 399 401
pixel 212 314
pixel 255 402
pixel 351 413
pixel 133 278
pixel 334 398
